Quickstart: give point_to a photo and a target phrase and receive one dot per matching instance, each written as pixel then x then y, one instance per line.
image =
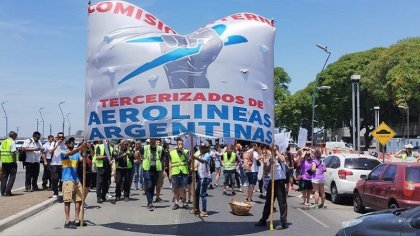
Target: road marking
pixel 313 218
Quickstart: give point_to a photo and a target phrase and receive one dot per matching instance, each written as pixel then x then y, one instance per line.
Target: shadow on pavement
pixel 193 229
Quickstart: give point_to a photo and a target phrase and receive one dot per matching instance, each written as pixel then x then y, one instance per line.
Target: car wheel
pixel 335 197
pixel 393 205
pixel 357 203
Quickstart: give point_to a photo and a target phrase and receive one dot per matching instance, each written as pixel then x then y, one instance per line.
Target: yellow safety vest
pixel 5 149
pixel 129 164
pixel 179 163
pixel 229 163
pixel 100 163
pixel 147 156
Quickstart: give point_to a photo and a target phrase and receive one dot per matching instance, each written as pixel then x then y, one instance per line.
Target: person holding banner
pixel 72 188
pixel 151 156
pixel 279 189
pixel 178 172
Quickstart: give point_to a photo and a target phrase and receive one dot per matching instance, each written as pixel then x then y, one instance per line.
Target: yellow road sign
pixel 383 133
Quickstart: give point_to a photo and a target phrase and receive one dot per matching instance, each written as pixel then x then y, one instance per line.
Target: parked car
pixel 385 223
pixel 343 172
pixel 391 185
pixel 19 143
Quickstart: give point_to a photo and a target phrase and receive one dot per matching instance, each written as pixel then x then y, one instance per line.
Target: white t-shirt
pixel 32 156
pixel 254 167
pixel 47 146
pixel 13 147
pixel 56 156
pixel 204 168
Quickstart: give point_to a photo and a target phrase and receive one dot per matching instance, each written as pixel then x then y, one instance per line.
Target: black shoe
pixel 261 223
pixel 9 194
pixel 104 199
pixel 77 223
pixel 126 199
pixel 69 225
pixel 36 188
pixel 158 199
pixel 176 207
pixel 28 190
pixel 186 207
pixel 117 199
pixel 233 193
pixel 150 207
pixel 99 200
pixel 211 187
pixel 283 225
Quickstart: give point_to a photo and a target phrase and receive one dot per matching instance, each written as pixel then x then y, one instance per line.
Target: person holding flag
pixel 278 172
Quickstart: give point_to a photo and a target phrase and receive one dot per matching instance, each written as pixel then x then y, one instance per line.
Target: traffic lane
pixel 21 175
pixel 222 222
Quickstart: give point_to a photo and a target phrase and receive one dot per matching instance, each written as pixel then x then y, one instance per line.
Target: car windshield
pixel 361 163
pixel 412 174
pixel 19 142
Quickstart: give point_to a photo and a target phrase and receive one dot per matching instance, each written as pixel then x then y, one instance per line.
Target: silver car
pixel 343 172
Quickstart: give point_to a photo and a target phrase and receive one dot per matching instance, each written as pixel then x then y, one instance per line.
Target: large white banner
pixel 146 80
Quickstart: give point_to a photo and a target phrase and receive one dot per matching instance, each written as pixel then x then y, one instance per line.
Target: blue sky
pixel 43 44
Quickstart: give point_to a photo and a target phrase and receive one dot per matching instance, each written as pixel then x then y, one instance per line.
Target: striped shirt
pixel 69 167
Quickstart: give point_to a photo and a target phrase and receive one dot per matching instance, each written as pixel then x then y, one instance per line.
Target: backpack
pixel 212 165
pixel 22 154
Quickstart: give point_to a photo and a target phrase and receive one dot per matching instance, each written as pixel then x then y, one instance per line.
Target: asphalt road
pixel 20 177
pixel 129 218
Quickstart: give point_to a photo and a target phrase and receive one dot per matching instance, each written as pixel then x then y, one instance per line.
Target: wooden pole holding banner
pixel 192 172
pixel 82 218
pixel 273 154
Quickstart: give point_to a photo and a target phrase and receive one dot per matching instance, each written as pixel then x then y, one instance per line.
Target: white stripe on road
pixel 313 218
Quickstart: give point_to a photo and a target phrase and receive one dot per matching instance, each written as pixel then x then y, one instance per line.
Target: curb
pixel 18 217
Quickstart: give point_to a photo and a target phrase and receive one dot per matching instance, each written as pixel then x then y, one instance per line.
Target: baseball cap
pixel 409 146
pixel 70 140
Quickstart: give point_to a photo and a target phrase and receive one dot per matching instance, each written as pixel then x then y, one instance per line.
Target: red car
pixel 389 185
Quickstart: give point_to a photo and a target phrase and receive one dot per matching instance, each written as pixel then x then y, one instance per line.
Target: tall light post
pixel 64 119
pixel 376 108
pixel 5 115
pixel 355 79
pixel 315 91
pixel 68 119
pixel 43 122
pixel 405 107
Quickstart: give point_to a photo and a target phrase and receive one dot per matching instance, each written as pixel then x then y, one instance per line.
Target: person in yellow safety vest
pixel 407 154
pixel 229 163
pixel 178 172
pixel 124 158
pixel 8 164
pixel 159 183
pixel 152 156
pixel 103 155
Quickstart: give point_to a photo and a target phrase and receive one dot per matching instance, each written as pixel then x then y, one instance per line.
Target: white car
pixel 343 172
pixel 19 143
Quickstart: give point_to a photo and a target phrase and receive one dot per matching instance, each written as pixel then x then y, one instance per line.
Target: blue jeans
pixel 150 180
pixel 201 191
pixel 244 179
pixel 138 176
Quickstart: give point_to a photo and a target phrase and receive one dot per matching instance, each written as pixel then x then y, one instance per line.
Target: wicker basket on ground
pixel 240 208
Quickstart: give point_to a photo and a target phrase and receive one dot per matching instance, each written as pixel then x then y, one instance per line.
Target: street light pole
pixel 377 108
pixel 64 119
pixel 43 122
pixel 5 115
pixel 315 90
pixel 405 107
pixel 68 119
pixel 355 79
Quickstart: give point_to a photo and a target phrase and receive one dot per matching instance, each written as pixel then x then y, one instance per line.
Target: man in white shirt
pixel 33 148
pixel 56 148
pixel 46 177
